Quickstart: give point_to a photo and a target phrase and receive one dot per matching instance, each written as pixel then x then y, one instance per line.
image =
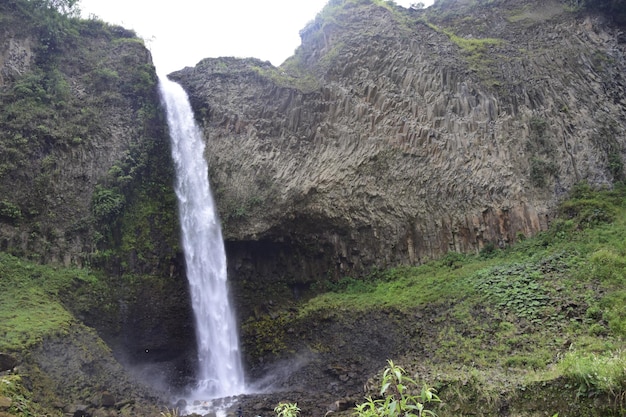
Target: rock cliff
pixel 86 174
pixel 394 135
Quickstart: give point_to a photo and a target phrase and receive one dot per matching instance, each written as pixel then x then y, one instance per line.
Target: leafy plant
pixel 515 287
pixel 284 409
pixel 397 397
pixel 9 212
pixel 22 404
pixel 588 207
pixel 540 170
pixel 107 204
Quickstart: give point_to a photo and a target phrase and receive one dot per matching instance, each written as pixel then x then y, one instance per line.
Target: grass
pixel 596 372
pixel 552 306
pixel 30 301
pixel 12 386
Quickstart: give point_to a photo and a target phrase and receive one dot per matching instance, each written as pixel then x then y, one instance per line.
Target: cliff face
pixel 80 119
pixel 86 173
pixel 393 135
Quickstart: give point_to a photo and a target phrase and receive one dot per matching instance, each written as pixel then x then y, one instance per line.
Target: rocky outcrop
pixel 81 123
pixel 95 384
pixel 394 136
pixel 85 178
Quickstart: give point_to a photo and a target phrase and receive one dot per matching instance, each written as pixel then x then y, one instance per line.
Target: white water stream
pixel 220 372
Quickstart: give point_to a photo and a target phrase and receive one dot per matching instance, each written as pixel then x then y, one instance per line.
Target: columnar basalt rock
pixel 424 131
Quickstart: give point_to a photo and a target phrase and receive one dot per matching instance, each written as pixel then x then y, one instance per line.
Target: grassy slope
pixel 549 309
pixel 30 301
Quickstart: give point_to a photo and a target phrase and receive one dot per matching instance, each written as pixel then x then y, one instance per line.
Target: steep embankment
pixel 393 135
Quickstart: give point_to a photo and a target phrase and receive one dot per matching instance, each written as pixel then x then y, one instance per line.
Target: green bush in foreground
pixel 397 398
pixel 287 410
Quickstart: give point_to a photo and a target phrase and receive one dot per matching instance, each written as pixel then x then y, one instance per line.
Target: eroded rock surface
pixel 393 136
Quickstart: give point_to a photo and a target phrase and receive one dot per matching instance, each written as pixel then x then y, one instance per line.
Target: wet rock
pixel 5 403
pixel 100 412
pixel 341 405
pixel 80 410
pixel 107 399
pixel 7 362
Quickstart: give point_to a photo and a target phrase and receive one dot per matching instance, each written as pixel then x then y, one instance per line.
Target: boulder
pixel 7 362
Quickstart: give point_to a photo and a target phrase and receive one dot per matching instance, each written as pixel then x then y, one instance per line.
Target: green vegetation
pixel 284 409
pixel 336 11
pixel 542 150
pixel 398 397
pixel 22 404
pixel 607 142
pixel 174 412
pixel 298 73
pixel 9 212
pixel 540 171
pixel 290 75
pixel 85 76
pixel 540 315
pixel 31 305
pixel 475 49
pixel 596 373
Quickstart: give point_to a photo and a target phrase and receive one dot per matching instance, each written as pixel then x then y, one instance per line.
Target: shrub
pixel 540 170
pixel 287 410
pixel 588 207
pixel 9 212
pixel 107 204
pixel 397 398
pixel 607 266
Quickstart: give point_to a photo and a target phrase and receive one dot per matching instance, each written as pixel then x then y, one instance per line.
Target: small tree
pixel 397 399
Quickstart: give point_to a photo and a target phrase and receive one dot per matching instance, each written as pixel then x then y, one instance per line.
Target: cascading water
pixel 220 371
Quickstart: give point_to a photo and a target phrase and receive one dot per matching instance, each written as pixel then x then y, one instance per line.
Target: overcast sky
pixel 182 32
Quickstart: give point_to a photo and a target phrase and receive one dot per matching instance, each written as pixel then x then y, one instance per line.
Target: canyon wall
pixel 394 136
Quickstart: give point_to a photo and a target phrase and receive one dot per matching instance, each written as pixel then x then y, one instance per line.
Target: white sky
pixel 182 32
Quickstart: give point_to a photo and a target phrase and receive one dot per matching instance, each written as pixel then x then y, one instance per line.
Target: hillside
pixel 532 330
pixel 85 187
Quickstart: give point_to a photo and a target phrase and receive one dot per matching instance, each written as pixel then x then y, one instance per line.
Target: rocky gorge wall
pixel 393 136
pixel 86 179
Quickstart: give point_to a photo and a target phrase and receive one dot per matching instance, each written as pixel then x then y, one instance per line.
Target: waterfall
pixel 220 372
